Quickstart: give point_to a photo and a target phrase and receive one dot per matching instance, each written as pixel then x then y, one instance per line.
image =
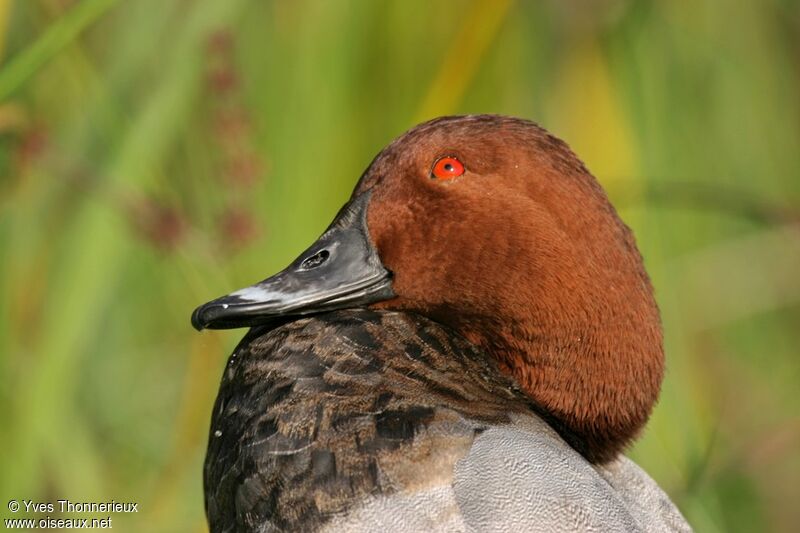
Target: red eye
pixel 447 168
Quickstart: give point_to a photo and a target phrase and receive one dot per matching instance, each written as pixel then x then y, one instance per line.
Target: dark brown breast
pixel 318 414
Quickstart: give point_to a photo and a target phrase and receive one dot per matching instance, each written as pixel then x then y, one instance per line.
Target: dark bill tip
pixel 222 316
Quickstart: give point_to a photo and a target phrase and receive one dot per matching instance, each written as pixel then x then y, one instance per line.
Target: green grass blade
pixel 62 32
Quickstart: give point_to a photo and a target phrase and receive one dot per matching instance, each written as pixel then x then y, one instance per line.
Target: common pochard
pixel 470 346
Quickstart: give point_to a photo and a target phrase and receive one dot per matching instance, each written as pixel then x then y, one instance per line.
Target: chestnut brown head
pixel 493 227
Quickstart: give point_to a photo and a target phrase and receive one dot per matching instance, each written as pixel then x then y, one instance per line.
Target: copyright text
pixel 102 512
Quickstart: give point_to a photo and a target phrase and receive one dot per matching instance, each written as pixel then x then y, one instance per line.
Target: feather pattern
pixel 363 420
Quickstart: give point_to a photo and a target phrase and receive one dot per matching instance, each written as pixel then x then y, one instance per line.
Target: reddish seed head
pixel 161 225
pixel 238 228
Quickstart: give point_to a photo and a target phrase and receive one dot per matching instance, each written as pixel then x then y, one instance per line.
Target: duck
pixel 471 345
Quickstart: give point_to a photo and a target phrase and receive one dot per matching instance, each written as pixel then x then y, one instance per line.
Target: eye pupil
pixel 446 168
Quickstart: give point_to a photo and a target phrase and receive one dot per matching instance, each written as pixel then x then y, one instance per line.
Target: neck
pixel 596 381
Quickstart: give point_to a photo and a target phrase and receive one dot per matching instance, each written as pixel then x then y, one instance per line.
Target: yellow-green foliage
pixel 155 154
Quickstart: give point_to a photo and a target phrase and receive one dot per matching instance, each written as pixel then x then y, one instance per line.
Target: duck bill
pixel 341 270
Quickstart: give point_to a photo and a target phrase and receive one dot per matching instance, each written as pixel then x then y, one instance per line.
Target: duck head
pixel 493 227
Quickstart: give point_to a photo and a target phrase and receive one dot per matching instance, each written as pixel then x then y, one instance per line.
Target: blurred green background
pixel 155 154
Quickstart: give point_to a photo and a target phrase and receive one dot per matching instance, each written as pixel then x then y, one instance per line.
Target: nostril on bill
pixel 315 260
